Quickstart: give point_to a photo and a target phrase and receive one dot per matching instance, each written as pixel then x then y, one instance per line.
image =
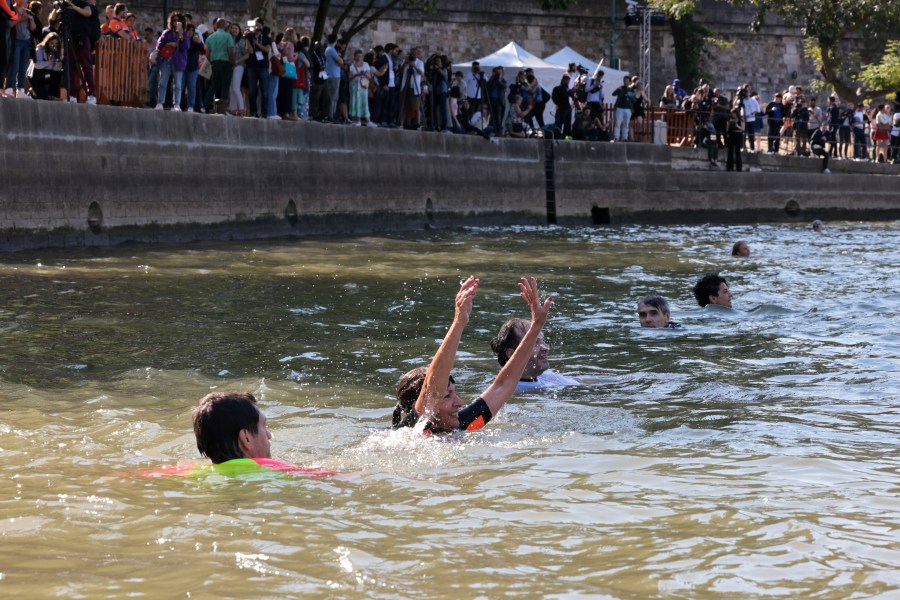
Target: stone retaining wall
pixel 77 175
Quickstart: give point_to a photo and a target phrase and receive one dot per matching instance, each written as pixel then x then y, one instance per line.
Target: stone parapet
pixel 78 175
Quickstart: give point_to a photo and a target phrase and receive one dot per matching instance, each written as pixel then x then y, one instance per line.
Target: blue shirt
pixel 331 65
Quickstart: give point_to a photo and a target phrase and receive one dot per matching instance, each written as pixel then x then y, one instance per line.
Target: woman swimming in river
pixel 431 393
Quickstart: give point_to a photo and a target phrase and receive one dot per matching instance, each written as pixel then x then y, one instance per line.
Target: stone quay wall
pixel 79 175
pixel 466 29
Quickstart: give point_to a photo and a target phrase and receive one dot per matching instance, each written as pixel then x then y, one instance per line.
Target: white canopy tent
pixel 513 57
pixel 612 78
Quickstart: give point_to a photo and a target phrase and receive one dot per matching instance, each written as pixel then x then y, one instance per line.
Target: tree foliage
pixel 884 75
pixel 842 36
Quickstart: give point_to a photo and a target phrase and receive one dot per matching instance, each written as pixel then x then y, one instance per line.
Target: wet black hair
pixel 708 286
pixel 218 421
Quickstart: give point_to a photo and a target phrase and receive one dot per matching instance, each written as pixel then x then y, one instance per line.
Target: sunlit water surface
pixel 752 453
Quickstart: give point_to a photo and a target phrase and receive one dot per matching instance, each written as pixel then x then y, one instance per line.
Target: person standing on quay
pixel 220 52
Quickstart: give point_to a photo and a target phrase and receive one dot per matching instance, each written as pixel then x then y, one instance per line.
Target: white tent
pixel 513 57
pixel 566 55
pixel 612 78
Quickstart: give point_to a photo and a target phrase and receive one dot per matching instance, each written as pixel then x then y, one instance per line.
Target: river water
pixel 752 453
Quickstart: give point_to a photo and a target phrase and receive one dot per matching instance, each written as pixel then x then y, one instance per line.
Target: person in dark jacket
pixel 817 144
pixel 562 100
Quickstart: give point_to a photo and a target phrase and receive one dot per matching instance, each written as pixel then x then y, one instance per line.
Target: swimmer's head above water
pixel 507 340
pixel 713 289
pixel 229 425
pixel 817 226
pixel 653 311
pixel 740 248
pixel 408 390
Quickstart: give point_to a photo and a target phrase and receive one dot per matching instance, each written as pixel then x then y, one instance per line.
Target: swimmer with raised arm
pixel 537 373
pixel 434 389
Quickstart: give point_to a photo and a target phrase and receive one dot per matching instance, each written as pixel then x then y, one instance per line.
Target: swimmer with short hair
pixel 537 373
pixel 713 289
pixel 431 394
pixel 653 311
pixel 817 226
pixel 229 425
pixel 741 249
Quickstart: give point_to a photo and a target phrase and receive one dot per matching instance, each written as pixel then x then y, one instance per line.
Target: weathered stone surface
pixel 159 176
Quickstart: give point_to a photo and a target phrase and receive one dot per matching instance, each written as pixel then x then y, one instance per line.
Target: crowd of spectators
pixel 249 70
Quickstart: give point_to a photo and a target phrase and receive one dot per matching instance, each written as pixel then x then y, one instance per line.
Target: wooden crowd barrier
pixel 120 72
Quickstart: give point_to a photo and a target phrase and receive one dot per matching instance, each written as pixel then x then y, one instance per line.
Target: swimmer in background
pixel 740 249
pixel 536 373
pixel 713 289
pixel 653 311
pixel 818 227
pixel 430 394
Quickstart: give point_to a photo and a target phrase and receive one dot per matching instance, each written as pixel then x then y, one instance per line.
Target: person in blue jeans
pixel 22 46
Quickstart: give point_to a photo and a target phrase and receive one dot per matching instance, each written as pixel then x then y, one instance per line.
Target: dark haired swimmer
pixel 653 311
pixel 537 373
pixel 436 401
pixel 232 432
pixel 713 289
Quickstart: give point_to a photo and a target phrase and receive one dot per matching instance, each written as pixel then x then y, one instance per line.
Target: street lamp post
pixel 612 34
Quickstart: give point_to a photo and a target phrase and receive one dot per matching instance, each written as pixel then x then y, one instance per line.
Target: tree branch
pixel 343 17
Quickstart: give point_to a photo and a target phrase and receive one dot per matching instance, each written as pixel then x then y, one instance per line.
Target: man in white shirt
pixel 537 373
pixel 475 84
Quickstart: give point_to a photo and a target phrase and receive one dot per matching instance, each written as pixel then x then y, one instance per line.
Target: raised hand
pixel 464 299
pixel 531 295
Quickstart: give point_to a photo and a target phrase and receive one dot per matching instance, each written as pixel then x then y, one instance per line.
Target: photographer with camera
pixel 440 89
pixel 81 24
pixel 46 74
pixel 411 89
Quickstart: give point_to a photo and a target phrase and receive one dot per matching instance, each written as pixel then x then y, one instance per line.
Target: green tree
pixel 842 36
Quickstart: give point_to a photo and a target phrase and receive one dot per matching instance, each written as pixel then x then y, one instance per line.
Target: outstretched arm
pixel 503 387
pixel 438 377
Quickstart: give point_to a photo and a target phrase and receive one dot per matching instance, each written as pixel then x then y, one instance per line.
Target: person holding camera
pixel 411 89
pixel 46 75
pixel 171 56
pixel 83 22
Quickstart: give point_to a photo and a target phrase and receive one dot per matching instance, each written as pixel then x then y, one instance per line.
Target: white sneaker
pixel 176 108
pixel 9 93
pixel 91 100
pixel 190 109
pixel 159 106
pixel 372 124
pixel 827 171
pixel 274 117
pixel 20 93
pixel 73 99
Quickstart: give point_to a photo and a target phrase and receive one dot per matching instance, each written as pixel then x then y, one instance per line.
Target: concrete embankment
pixel 76 175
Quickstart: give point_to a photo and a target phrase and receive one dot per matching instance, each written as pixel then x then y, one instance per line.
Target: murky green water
pixel 751 454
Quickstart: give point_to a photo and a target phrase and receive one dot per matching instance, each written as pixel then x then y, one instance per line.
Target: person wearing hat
pixel 679 91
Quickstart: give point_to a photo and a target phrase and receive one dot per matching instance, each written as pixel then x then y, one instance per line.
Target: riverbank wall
pixel 78 175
